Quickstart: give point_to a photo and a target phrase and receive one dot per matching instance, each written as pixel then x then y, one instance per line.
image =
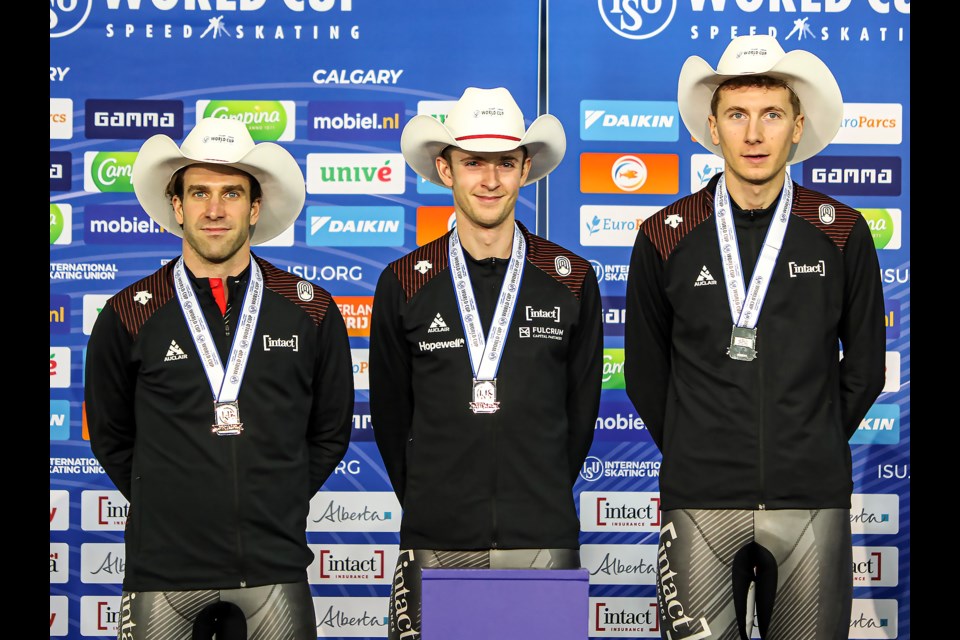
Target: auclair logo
pixel 357 511
pixel 61 170
pixel 355 226
pixel 354 120
pixel 620 511
pixel 853 175
pixel 629 120
pixel 356 173
pixel 108 171
pixel 266 120
pixel 133 119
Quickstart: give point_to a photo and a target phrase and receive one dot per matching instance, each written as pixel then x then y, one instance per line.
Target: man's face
pixel 755 128
pixel 485 185
pixel 216 212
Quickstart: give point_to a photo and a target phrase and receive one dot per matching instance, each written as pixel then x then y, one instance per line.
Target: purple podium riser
pixel 505 604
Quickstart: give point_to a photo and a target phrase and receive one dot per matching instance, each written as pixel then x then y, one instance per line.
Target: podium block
pixel 505 604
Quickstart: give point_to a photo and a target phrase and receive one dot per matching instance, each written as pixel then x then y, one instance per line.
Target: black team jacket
pixel 504 480
pixel 771 433
pixel 208 511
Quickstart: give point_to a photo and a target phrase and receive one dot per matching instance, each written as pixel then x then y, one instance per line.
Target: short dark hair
pixel 764 82
pixel 445 153
pixel 175 185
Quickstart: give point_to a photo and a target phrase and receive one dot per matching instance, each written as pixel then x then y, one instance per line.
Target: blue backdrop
pixel 334 81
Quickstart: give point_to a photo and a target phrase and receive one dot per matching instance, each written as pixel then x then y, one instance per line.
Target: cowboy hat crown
pixel 805 74
pixel 483 120
pixel 226 142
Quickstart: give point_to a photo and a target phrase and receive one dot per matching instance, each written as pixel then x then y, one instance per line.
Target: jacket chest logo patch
pixel 704 278
pixel 292 343
pixel 799 270
pixel 174 352
pixel 438 325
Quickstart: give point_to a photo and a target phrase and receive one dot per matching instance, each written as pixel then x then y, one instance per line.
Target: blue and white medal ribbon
pixel 225 388
pixel 745 306
pixel 485 353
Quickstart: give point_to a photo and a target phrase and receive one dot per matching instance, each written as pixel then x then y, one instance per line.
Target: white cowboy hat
pixel 804 73
pixel 227 142
pixel 483 120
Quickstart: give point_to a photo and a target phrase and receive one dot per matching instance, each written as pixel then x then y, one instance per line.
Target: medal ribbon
pixel 746 311
pixel 224 388
pixel 485 354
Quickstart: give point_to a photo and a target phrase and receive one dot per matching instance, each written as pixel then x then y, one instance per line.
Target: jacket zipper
pixel 236 511
pixel 494 535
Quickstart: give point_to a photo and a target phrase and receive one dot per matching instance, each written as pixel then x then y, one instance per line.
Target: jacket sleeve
pixel 391 392
pixel 584 374
pixel 108 390
pixel 862 331
pixel 331 417
pixel 647 328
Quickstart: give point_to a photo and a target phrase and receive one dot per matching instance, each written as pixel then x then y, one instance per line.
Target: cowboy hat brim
pixel 278 173
pixel 808 77
pixel 424 138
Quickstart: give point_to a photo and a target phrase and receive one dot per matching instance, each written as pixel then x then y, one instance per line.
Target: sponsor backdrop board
pixel 334 81
pixel 613 67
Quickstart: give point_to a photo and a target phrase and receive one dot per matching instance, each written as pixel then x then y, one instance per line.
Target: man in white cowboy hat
pixel 739 299
pixel 219 396
pixel 486 350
